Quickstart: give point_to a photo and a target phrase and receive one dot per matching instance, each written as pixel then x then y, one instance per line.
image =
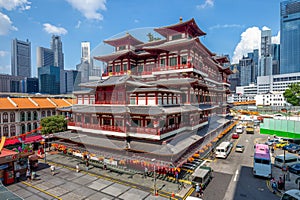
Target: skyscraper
pixel 86 51
pixel 21 58
pixel 56 46
pixel 289 36
pixel 265 67
pixel 44 57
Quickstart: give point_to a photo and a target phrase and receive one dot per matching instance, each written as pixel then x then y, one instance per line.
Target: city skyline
pixel 232 27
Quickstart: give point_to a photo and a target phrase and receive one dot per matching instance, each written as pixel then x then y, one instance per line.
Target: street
pixel 233 178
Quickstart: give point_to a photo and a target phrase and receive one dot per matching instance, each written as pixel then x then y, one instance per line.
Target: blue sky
pixel 232 26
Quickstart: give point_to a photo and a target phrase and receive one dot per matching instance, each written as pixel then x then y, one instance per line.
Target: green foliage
pixel 152 38
pixel 53 124
pixel 292 94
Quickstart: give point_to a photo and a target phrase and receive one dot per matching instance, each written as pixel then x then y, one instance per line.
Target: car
pixel 235 136
pixel 287 147
pixel 271 142
pixel 294 149
pixel 295 168
pixel 239 148
pixel 281 144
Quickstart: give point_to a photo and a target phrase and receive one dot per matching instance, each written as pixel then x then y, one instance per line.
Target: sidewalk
pixel 165 188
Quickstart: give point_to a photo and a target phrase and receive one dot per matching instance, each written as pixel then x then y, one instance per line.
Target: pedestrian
pixel 274 185
pixel 32 175
pixel 146 172
pixel 280 184
pixel 28 175
pixel 52 168
pixel 17 176
pixel 197 190
pixel 176 175
pixel 77 168
pixel 87 164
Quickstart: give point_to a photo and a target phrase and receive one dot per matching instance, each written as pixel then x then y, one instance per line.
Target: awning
pixel 31 139
pixel 11 141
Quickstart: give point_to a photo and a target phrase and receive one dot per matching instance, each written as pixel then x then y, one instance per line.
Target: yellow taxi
pixel 281 144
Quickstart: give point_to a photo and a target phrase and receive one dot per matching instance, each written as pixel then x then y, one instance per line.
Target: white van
pixel 193 198
pixel 289 160
pixel 291 195
pixel 223 150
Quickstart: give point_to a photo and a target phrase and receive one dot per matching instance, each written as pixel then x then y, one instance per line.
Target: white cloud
pixel 5 69
pixel 265 28
pixel 276 39
pixel 250 40
pixel 219 26
pixel 14 4
pixel 49 28
pixel 89 8
pixel 206 4
pixel 6 24
pixel 78 24
pixel 3 53
pixel 136 21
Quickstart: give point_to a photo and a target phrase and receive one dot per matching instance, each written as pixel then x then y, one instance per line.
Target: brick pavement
pixel 95 183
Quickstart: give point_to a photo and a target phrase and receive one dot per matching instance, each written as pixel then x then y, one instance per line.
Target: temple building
pixel 159 100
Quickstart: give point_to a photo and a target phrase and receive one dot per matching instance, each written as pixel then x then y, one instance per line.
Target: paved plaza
pixel 95 183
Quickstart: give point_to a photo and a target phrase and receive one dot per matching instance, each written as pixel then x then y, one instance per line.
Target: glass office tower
pixel 289 36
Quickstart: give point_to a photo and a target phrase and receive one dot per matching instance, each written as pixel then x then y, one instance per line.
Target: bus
pixel 223 150
pixel 262 165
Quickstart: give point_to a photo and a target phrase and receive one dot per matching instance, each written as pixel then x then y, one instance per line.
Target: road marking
pixel 236 174
pixel 41 190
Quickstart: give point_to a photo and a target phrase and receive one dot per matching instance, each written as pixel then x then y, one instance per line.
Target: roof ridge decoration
pixel 67 102
pixel 52 102
pixel 32 101
pixel 12 102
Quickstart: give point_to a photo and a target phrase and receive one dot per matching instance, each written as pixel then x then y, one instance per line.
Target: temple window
pixel 173 61
pixel 140 68
pixel 176 37
pixel 124 67
pixel 183 60
pixel 87 119
pixel 162 62
pixel 106 122
pixel 110 69
pixel 132 100
pixel 122 48
pixel 95 120
pixel 118 68
pixel 171 121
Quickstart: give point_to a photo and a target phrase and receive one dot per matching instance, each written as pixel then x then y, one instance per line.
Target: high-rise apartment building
pixel 265 66
pixel 21 58
pixel 290 36
pixel 56 46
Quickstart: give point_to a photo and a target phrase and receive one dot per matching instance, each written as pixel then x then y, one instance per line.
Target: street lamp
pixel 155 190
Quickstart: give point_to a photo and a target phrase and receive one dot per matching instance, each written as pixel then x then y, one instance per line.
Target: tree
pixel 152 38
pixel 292 94
pixel 53 124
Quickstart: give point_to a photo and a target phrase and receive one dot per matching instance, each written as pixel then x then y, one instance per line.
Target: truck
pixel 250 128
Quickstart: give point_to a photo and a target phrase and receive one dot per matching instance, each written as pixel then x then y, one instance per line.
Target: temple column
pixel 146 98
pixel 136 99
pixel 156 98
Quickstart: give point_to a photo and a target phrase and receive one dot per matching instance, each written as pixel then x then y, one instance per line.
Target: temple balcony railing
pixel 157 68
pixel 140 130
